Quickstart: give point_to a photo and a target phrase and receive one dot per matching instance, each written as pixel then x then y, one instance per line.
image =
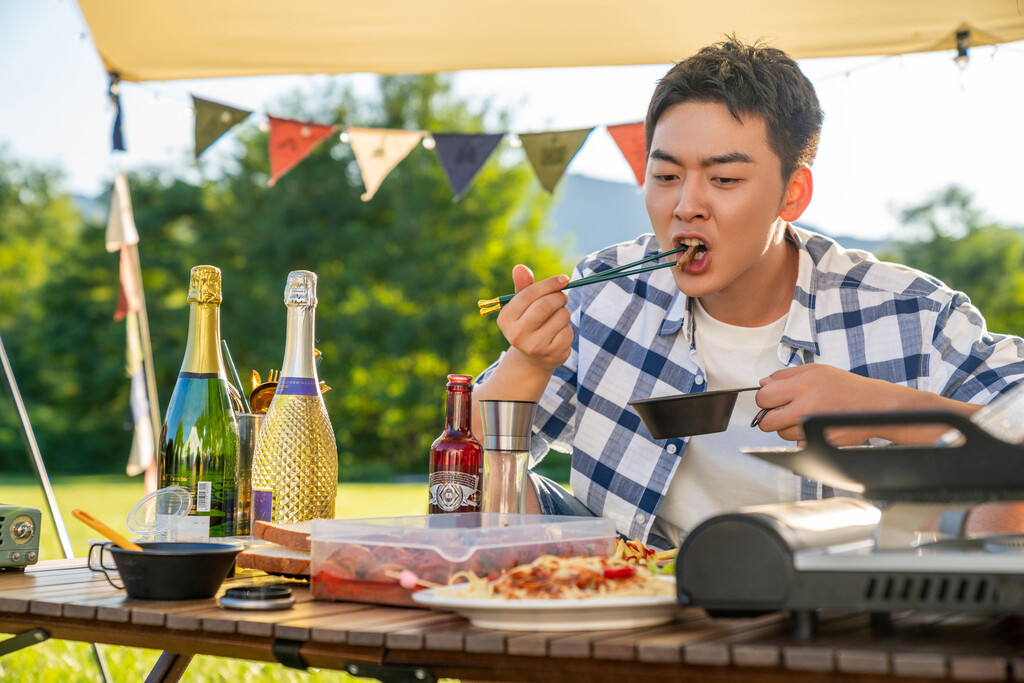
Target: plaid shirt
pixel 634 337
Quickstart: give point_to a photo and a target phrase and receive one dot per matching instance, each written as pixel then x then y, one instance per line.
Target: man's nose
pixel 692 202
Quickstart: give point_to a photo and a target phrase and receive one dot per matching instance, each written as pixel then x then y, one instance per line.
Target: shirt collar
pixel 799 331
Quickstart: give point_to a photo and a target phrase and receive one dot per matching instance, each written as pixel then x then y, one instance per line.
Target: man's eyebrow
pixel 664 156
pixel 727 158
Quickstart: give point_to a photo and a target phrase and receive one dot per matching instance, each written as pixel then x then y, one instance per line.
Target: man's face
pixel 714 180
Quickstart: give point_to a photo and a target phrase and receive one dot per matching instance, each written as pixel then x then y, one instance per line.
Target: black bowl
pixel 172 571
pixel 705 412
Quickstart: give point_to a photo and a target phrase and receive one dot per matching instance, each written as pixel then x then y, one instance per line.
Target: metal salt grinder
pixel 508 428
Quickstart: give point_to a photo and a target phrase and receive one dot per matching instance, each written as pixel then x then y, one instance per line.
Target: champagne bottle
pixel 295 464
pixel 456 464
pixel 199 437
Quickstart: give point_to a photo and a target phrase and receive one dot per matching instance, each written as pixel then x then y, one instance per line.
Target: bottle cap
pixel 300 289
pixel 158 512
pixel 508 425
pixel 204 285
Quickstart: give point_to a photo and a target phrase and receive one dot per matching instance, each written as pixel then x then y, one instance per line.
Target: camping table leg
pixel 169 668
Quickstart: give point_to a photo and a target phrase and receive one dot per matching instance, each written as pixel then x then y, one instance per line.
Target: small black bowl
pixel 705 412
pixel 170 571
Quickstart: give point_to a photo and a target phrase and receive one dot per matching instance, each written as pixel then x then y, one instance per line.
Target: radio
pixel 19 536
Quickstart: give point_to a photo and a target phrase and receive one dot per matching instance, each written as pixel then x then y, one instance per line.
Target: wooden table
pixel 68 601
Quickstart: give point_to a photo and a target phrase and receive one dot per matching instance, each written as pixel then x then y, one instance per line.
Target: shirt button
pixel 699 380
pixel 671 448
pixel 640 519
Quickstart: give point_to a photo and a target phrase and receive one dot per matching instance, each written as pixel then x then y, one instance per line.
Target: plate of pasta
pixel 560 594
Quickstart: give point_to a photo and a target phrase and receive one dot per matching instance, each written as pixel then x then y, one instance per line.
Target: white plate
pixel 584 614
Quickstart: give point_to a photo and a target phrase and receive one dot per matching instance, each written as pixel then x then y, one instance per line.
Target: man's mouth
pixel 695 252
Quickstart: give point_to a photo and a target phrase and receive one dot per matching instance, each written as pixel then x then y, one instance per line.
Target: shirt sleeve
pixel 971 363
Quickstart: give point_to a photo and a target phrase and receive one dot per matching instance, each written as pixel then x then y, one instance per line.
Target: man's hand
pixel 794 393
pixel 536 321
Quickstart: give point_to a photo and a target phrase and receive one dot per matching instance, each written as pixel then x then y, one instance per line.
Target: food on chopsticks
pixel 687 257
pixel 560 578
pixel 488 306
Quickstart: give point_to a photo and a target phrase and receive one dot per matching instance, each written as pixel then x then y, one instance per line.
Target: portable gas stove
pixel 880 556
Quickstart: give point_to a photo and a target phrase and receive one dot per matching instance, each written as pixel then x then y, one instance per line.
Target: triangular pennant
pixel 121 223
pixel 291 142
pixel 378 151
pixel 213 119
pixel 463 155
pixel 128 295
pixel 630 139
pixel 551 152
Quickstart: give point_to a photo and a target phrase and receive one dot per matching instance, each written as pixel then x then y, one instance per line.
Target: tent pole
pixel 44 480
pixel 147 352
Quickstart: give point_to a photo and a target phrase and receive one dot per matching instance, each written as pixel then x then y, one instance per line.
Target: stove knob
pixel 22 529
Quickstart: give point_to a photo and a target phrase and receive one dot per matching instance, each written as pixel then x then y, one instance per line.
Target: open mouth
pixel 695 252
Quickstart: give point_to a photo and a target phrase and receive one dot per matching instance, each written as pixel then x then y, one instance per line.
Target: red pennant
pixel 630 139
pixel 128 296
pixel 291 142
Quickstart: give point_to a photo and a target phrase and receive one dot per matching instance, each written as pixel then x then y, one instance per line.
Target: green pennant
pixel 213 119
pixel 550 153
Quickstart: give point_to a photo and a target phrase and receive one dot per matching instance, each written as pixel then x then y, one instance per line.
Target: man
pixel 731 134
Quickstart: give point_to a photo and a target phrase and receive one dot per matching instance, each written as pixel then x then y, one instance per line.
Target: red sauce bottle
pixel 456 457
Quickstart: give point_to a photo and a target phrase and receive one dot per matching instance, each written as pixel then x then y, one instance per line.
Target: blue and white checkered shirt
pixel 633 339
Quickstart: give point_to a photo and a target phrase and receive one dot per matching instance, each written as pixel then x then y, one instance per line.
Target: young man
pixel 731 135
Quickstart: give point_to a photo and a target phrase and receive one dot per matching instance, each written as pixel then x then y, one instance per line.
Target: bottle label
pixel 298 386
pixel 263 505
pixel 199 375
pixel 453 490
pixel 204 489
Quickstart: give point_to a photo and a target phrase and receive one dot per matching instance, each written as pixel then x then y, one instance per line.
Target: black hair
pixel 752 79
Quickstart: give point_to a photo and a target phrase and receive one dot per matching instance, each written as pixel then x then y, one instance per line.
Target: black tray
pixel 979 468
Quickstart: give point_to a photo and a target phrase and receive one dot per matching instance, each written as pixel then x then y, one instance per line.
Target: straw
pixel 234 375
pixel 488 306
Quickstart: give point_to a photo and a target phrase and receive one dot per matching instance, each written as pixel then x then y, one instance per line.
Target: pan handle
pixel 815 425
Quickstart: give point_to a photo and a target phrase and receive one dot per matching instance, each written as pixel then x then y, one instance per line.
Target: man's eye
pixel 726 181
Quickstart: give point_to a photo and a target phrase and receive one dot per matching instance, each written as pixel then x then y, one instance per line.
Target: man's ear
pixel 798 194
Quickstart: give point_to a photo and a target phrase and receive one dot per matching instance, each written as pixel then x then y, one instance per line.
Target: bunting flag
pixel 550 153
pixel 142 456
pixel 633 145
pixel 378 151
pixel 213 119
pixel 463 155
pixel 121 223
pixel 122 236
pixel 291 142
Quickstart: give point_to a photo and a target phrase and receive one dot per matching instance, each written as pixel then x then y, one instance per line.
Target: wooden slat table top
pixel 71 602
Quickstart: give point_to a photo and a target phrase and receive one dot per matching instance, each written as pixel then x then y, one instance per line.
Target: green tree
pixel 399 277
pixel 956 243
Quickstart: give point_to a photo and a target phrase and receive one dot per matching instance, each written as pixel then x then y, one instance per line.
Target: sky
pixel 897 129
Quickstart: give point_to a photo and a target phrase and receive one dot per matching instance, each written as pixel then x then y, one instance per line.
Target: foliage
pixel 399 277
pixel 956 243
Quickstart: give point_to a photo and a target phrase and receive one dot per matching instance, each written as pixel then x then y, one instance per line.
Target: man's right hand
pixel 536 321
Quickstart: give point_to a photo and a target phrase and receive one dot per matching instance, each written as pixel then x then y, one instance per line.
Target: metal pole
pixel 44 481
pixel 33 450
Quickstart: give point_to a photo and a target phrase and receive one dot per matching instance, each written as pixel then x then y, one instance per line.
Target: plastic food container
pixel 383 560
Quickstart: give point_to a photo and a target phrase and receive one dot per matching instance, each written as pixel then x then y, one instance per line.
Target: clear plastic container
pixel 384 560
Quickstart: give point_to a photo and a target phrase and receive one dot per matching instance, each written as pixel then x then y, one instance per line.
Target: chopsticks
pixel 488 306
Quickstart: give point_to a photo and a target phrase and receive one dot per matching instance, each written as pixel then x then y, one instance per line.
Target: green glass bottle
pixel 199 438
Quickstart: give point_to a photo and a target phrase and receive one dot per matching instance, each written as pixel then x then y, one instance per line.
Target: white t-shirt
pixel 713 476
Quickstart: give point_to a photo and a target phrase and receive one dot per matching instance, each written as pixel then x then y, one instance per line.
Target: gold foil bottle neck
pixel 300 290
pixel 204 285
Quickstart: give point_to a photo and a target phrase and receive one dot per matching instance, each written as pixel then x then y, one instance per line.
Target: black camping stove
pixel 905 550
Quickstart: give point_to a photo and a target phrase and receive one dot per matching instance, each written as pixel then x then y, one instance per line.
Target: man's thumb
pixel 522 277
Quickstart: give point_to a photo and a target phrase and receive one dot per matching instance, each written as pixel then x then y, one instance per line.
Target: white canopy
pixel 143 40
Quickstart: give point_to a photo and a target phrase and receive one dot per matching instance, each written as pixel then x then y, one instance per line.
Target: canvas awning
pixel 163 39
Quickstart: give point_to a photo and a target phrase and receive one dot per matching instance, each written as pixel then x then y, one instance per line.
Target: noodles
pixel 550 577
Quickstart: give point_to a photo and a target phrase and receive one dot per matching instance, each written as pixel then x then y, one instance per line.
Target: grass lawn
pixel 109 498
